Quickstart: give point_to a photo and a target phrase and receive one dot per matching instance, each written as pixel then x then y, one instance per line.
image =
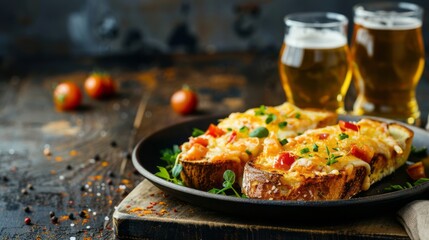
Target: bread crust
pixel 205 175
pixel 264 183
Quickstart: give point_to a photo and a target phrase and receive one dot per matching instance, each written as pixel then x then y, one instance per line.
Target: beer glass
pixel 314 61
pixel 387 50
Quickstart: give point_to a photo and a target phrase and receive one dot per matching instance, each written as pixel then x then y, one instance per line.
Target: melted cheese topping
pixel 281 121
pixel 329 150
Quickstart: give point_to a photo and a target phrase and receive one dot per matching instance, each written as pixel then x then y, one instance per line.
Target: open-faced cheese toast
pixel 238 138
pixel 334 162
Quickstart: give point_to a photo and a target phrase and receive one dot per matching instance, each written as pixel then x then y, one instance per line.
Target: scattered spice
pixel 51 214
pixel 97 157
pixel 5 179
pixel 71 216
pixel 73 153
pixel 113 144
pixel 54 220
pixel 82 214
pixel 24 191
pixel 30 186
pixel 69 167
pixel 58 159
pixel 111 174
pixel 27 209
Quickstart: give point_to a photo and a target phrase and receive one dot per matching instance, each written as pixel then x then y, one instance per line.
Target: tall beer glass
pixel 387 50
pixel 314 60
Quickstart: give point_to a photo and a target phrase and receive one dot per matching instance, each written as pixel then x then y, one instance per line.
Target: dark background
pixel 64 28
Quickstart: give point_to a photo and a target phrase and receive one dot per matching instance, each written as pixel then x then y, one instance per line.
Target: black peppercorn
pixel 71 216
pixel 97 157
pixel 82 214
pixel 69 167
pixel 27 209
pixel 113 144
pixel 51 214
pixel 54 219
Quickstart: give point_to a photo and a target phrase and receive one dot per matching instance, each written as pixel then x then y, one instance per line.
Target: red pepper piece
pixel 347 125
pixel 284 161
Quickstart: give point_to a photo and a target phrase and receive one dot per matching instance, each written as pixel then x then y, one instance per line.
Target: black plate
pixel 146 158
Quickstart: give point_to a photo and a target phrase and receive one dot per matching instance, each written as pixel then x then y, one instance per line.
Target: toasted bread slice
pixel 334 162
pixel 239 138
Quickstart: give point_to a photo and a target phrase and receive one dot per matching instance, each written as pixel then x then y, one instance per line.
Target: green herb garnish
pixel 271 117
pixel 282 124
pixel 304 150
pixel 283 141
pixel 315 148
pixel 298 115
pixel 419 151
pixel 228 184
pixel 248 152
pixel 260 111
pixel 171 172
pixel 243 129
pixel 397 187
pixel 343 136
pixel 197 132
pixel 331 159
pixel 259 132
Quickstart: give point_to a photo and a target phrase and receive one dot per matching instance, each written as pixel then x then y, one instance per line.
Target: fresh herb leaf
pixel 197 132
pixel 343 136
pixel 397 187
pixel 282 124
pixel 298 115
pixel 259 132
pixel 315 148
pixel 163 173
pixel 228 184
pixel 283 141
pixel 176 170
pixel 229 129
pixel 331 159
pixel 169 155
pixel 422 152
pixel 420 181
pixel 260 111
pixel 243 129
pixel 271 117
pixel 304 150
pixel 248 152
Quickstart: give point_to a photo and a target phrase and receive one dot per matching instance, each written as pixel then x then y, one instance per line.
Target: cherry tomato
pixel 284 161
pixel 416 171
pixel 364 152
pixel 199 140
pixel 67 96
pixel 214 131
pixel 184 101
pixel 99 85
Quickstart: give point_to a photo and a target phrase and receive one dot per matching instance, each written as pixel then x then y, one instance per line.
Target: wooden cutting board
pixel 148 213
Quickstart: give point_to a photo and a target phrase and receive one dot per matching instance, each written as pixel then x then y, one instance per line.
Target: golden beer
pixel 388 57
pixel 315 68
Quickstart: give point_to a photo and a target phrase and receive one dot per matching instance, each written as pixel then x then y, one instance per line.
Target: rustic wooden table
pixel 84 178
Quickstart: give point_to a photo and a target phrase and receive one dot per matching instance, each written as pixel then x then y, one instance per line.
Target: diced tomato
pixel 347 125
pixel 284 161
pixel 323 136
pixel 232 137
pixel 214 131
pixel 416 171
pixel 365 153
pixel 199 140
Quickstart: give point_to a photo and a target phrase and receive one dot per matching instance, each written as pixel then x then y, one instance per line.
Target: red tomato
pixel 214 131
pixel 202 141
pixel 67 96
pixel 416 171
pixel 347 125
pixel 323 136
pixel 284 161
pixel 232 137
pixel 184 101
pixel 99 86
pixel 364 152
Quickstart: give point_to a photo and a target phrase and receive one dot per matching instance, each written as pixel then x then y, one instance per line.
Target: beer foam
pixel 389 23
pixel 310 38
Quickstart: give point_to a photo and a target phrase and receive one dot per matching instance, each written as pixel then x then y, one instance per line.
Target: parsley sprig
pixel 229 177
pixel 171 172
pixel 397 187
pixel 331 159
